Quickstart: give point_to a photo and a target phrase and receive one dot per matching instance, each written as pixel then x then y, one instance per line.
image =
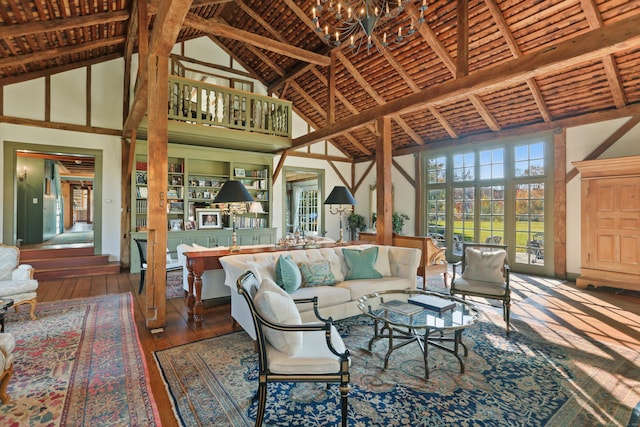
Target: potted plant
pixel 397 222
pixel 356 222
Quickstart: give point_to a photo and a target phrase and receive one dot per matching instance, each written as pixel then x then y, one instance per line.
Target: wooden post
pixel 157 180
pixel 560 204
pixel 384 208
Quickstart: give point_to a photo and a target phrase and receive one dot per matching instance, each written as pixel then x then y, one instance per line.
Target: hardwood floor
pixel 605 315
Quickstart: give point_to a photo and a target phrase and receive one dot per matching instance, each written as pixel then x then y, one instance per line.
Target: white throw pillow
pixel 484 266
pixel 276 305
pixel 266 269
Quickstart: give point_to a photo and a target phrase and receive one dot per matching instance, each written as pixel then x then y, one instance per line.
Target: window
pixel 307 214
pixel 493 194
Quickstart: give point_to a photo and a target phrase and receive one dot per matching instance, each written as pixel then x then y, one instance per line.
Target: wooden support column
pixel 384 208
pixel 157 155
pixel 560 204
pixel 420 229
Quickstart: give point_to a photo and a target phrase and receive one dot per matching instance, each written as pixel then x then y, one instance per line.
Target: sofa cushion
pixel 288 275
pixel 317 273
pixel 16 287
pixel 382 264
pixel 485 266
pixel 358 288
pixel 277 306
pixel 361 263
pixel 327 296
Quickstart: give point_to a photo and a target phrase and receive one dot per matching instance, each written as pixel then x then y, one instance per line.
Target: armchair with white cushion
pixel 289 350
pixel 17 280
pixel 484 273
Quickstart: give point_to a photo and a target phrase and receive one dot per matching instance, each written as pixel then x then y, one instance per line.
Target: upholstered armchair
pixel 16 281
pixel 484 272
pixel 289 350
pixel 7 345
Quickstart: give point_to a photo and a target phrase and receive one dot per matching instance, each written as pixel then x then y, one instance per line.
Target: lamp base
pixel 234 241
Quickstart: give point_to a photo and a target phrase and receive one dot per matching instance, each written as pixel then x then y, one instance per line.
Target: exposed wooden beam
pixel 53 53
pixel 462 38
pixel 560 204
pixel 364 175
pixel 61 126
pixel 615 137
pixel 384 185
pixel 216 28
pixel 432 39
pixel 276 172
pixel 342 178
pixel 312 102
pixel 264 58
pixel 183 58
pixel 256 17
pixel 63 24
pixel 484 112
pixel 319 156
pixel 404 173
pixel 593 45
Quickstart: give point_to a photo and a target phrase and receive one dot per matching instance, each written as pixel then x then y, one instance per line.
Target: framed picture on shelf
pixel 208 218
pixel 141 178
pixel 239 172
pixel 175 224
pixel 189 225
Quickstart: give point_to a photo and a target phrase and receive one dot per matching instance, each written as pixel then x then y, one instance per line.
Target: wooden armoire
pixel 610 223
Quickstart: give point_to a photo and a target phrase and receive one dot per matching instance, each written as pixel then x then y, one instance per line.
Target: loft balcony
pixel 217 116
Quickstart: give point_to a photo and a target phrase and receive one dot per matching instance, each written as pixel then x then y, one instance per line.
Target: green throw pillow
pixel 288 275
pixel 317 274
pixel 361 263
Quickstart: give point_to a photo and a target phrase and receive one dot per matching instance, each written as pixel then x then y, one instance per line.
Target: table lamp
pixel 234 197
pixel 256 208
pixel 340 196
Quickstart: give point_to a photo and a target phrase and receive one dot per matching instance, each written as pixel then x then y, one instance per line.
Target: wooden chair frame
pixel 247 286
pixel 505 298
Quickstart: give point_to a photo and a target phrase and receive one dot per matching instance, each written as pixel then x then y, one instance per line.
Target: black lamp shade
pixel 233 192
pixel 340 196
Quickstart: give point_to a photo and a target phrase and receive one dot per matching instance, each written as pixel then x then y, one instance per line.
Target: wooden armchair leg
pixel 4 383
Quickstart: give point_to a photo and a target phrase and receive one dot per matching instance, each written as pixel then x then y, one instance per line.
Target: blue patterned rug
pixel 534 377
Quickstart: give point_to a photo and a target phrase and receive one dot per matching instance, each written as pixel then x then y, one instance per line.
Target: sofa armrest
pixel 404 262
pixel 23 272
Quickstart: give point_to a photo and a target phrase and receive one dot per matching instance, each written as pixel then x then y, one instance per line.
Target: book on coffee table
pixel 401 307
pixel 432 303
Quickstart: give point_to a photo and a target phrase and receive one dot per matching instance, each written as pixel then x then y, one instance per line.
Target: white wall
pixel 68 95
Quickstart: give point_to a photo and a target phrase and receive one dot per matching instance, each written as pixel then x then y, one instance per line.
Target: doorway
pixel 53 191
pixel 303 196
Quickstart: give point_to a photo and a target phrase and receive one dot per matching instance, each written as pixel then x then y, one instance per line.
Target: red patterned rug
pixel 79 364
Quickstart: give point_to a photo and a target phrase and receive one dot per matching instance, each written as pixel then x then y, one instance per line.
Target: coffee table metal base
pixel 382 330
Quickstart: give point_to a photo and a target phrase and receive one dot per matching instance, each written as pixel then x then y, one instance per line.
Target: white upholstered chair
pixel 7 345
pixel 17 281
pixel 172 264
pixel 288 350
pixel 484 273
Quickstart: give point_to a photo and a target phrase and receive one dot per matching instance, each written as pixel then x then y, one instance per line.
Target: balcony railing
pixel 196 102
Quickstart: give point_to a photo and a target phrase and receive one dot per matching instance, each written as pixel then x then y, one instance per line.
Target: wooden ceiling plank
pixel 57 52
pixel 606 144
pixel 408 129
pixel 70 23
pixel 593 45
pixel 264 24
pixel 216 28
pixel 357 143
pixel 539 100
pixel 396 65
pixel 432 39
pixel 264 58
pixel 295 86
pixel 359 78
pixel 299 70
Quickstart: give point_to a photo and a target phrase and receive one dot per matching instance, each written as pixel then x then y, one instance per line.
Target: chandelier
pixel 357 20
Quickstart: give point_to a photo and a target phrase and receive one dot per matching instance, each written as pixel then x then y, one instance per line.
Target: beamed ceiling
pixel 532 64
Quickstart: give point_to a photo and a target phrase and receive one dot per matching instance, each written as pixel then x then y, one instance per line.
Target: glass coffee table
pixel 431 319
pixel 5 303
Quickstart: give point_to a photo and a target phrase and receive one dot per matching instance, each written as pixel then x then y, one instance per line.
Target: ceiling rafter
pixel 620 36
pixel 506 33
pixel 484 112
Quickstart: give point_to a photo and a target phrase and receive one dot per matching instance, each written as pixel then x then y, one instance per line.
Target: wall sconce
pixel 23 176
pixel 340 196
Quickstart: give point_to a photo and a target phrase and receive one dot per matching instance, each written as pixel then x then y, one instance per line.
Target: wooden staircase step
pixel 77 271
pixel 67 262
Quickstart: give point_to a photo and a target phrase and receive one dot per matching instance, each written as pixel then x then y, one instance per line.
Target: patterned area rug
pixel 174 285
pixel 79 364
pixel 535 377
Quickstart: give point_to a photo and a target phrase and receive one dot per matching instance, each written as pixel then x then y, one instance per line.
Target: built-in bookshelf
pixel 195 175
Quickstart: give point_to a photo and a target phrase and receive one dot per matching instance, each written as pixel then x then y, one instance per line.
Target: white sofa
pixel 397 265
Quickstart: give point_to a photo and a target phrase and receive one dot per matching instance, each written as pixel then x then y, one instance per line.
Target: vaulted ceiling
pixel 533 64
